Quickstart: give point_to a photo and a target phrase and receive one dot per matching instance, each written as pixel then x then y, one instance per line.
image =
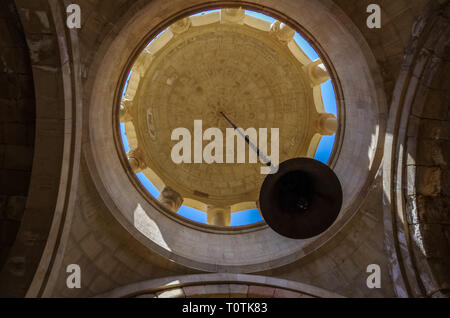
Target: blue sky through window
pixel 325 147
pixel 260 16
pixel 205 12
pixel 245 217
pixel 306 47
pixel 125 143
pixel 192 214
pixel 148 185
pixel 126 84
pixel 323 151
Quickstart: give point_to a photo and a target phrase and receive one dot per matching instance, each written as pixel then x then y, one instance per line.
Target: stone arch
pixel 416 174
pixel 219 285
pixel 17 130
pixel 356 162
pixel 40 242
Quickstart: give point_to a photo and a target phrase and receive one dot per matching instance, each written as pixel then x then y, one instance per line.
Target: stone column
pixel 125 111
pixel 142 63
pixel 232 15
pixel 136 160
pixel 283 32
pixel 219 216
pixel 327 124
pixel 317 72
pixel 181 26
pixel 170 199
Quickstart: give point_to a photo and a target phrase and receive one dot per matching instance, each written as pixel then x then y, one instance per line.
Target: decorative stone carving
pixel 125 111
pixel 170 199
pixel 327 124
pixel 282 31
pixel 232 15
pixel 218 216
pixel 226 73
pixel 317 72
pixel 151 124
pixel 142 63
pixel 181 26
pixel 136 160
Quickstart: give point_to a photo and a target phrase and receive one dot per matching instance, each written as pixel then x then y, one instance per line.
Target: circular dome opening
pixel 256 247
pixel 254 68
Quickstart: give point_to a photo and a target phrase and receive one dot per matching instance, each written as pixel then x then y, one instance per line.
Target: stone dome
pixel 249 69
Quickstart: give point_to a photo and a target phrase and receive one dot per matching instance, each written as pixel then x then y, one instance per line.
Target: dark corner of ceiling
pixel 17 131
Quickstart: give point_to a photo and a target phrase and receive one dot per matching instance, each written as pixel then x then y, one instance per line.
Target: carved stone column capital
pixel 142 63
pixel 283 32
pixel 219 216
pixel 181 26
pixel 317 72
pixel 125 114
pixel 136 160
pixel 232 15
pixel 170 199
pixel 327 124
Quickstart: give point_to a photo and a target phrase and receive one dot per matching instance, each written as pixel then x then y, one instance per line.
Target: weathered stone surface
pixel 425 209
pixel 113 257
pixel 251 83
pixel 429 181
pixel 283 293
pixel 260 292
pixel 17 130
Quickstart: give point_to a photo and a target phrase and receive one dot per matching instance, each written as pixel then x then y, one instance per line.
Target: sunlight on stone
pixel 144 224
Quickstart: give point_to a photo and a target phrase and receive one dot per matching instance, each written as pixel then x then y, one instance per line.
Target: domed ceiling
pixel 227 62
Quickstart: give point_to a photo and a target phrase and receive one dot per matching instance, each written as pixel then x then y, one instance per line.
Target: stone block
pixel 194 291
pixel 217 291
pixel 430 239
pixel 238 290
pixel 435 129
pixel 284 293
pixel 260 291
pixel 430 153
pixel 106 263
pixel 91 246
pixel 101 284
pixel 429 181
pixel 426 209
pixel 441 272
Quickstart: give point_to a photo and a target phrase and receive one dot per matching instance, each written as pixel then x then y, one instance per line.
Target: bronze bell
pixel 302 199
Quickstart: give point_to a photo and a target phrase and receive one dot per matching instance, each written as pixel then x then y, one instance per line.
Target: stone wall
pixel 388 43
pixel 108 256
pixel 415 174
pixel 341 264
pixel 111 257
pixel 429 194
pixel 17 126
